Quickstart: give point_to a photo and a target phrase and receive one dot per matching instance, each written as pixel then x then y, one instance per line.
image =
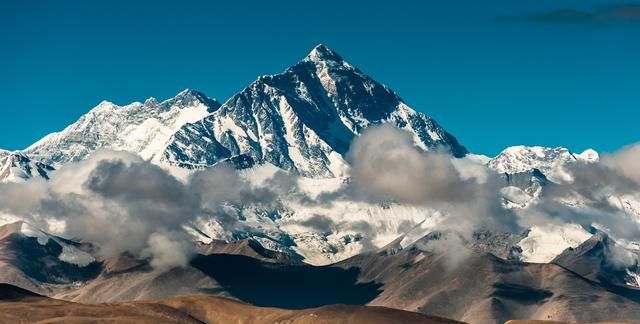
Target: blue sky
pixel 493 73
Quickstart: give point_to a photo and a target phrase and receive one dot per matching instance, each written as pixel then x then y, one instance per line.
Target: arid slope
pixel 21 306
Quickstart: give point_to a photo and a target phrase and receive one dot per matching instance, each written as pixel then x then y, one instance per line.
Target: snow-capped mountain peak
pixel 303 119
pixel 142 128
pixel 322 53
pixel 17 167
pixel 150 102
pixel 518 159
pixel 189 98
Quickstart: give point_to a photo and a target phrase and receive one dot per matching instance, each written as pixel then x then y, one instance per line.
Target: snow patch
pixel 546 242
pixel 73 255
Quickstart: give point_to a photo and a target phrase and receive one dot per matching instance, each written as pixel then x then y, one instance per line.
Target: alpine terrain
pixel 250 210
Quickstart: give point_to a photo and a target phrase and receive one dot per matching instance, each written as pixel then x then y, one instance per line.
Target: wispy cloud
pixel 603 15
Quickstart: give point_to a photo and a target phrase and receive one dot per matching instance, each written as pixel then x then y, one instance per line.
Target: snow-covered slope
pixel 544 243
pixel 321 233
pixel 526 170
pixel 531 181
pixel 17 167
pixel 549 161
pixel 143 128
pixel 303 119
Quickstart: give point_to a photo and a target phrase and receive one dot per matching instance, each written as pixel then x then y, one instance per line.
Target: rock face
pixel 17 167
pixel 143 128
pixel 303 119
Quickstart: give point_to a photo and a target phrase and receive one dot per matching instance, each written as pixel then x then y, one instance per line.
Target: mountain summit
pixel 323 53
pixel 303 119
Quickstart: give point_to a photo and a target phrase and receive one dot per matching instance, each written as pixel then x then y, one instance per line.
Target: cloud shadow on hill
pixel 286 286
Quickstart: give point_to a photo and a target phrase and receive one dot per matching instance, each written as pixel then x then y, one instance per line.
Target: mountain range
pixel 575 286
pixel 303 120
pixel 298 127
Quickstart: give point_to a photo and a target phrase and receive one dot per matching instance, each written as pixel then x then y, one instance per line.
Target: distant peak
pixel 104 103
pixel 539 149
pixel 323 53
pixel 322 47
pixel 190 93
pixel 150 102
pixel 189 96
pixel 186 92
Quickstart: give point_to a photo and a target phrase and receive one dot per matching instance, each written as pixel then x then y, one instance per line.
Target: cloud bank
pixel 386 163
pixel 125 204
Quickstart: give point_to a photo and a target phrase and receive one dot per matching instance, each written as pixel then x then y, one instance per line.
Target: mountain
pixel 319 233
pixel 17 167
pixel 531 175
pixel 303 119
pixel 144 282
pixel 33 259
pixel 477 287
pixel 143 128
pixel 483 288
pixel 599 259
pixel 517 159
pixel 53 266
pixel 301 252
pixel 19 305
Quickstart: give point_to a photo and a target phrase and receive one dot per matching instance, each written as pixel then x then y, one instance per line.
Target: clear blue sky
pixel 493 73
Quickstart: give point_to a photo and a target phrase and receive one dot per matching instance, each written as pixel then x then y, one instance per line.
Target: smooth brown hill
pixel 20 306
